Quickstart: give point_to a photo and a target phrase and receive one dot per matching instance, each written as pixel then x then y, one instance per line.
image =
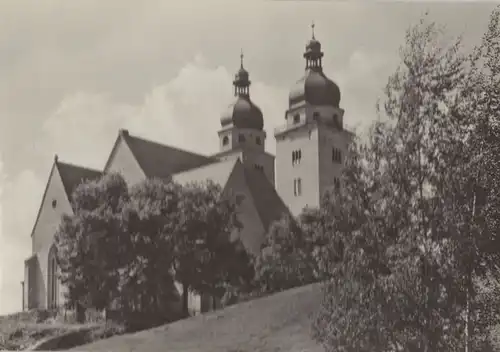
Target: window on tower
pixel 296 157
pixel 297 187
pixel 336 183
pixel 258 140
pixel 225 140
pixel 296 118
pixel 241 138
pixel 336 155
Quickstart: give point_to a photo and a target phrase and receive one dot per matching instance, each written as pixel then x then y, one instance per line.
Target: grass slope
pixel 279 322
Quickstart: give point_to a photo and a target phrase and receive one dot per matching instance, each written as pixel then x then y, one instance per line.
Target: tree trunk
pixel 467 323
pixel 80 313
pixel 185 296
pixel 468 327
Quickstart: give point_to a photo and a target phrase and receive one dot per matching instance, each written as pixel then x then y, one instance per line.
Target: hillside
pixel 280 322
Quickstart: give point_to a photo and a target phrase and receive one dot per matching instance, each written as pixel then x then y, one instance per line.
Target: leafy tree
pixel 392 214
pixel 206 259
pixel 89 241
pixel 477 210
pixel 293 251
pixel 146 276
pixel 127 247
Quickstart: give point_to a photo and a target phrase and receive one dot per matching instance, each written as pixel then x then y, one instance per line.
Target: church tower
pixel 312 143
pixel 242 129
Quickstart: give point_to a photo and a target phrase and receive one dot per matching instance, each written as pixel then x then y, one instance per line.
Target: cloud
pixel 183 112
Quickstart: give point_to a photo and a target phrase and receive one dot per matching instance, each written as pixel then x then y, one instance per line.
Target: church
pixel 311 145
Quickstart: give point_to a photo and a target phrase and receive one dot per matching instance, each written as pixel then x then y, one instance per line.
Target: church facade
pixel 310 148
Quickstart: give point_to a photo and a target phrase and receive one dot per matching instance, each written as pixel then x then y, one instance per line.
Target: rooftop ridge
pixel 86 168
pixel 142 139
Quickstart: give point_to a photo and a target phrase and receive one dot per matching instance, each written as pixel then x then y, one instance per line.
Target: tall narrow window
pixel 258 140
pixel 241 138
pixel 296 157
pixel 52 279
pixel 336 155
pixel 225 140
pixel 297 187
pixel 296 118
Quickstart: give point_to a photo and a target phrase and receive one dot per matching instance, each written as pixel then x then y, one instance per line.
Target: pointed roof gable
pixel 268 203
pixel 159 160
pixel 218 172
pixel 73 175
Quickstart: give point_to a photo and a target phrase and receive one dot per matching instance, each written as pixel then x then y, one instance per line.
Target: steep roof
pixel 72 175
pixel 218 172
pixel 268 203
pixel 162 161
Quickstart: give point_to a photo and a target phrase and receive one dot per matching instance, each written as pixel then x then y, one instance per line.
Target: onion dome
pixel 242 113
pixel 314 87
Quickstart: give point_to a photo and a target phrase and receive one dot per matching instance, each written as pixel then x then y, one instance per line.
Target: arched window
pixel 52 281
pixel 225 140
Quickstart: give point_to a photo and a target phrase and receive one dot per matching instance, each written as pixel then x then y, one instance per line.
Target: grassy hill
pixel 279 322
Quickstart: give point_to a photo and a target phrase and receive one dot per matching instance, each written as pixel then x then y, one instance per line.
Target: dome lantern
pixel 313 53
pixel 314 87
pixel 243 113
pixel 241 80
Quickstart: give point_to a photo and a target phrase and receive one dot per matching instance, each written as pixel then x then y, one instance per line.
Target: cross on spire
pixel 312 27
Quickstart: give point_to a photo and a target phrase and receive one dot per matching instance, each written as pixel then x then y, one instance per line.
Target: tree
pixel 291 252
pixel 89 241
pixel 146 276
pixel 392 215
pixel 478 209
pixel 206 258
pixel 125 248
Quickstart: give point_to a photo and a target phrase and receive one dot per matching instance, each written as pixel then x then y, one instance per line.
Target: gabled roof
pixel 159 160
pixel 218 172
pixel 73 175
pixel 268 203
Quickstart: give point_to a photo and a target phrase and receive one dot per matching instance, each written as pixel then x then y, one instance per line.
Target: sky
pixel 73 72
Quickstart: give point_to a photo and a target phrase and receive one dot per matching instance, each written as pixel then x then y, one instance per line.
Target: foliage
pixel 206 259
pixel 89 242
pixel 124 248
pixel 400 216
pixel 478 208
pixel 146 281
pixel 289 257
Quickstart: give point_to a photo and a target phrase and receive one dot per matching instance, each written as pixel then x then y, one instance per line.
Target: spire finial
pixel 241 58
pixel 312 27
